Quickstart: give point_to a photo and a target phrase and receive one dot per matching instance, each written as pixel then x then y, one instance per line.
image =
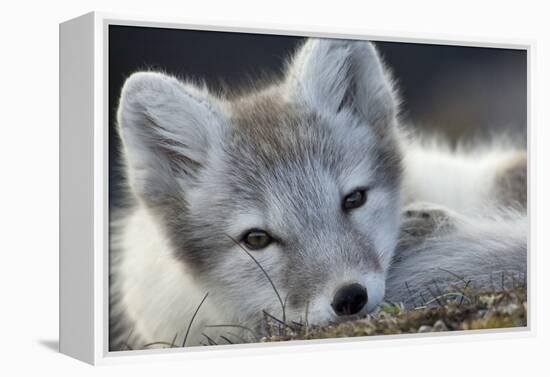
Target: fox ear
pixel 167 129
pixel 333 75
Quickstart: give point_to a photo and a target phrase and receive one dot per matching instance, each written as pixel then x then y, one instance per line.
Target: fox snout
pixel 349 299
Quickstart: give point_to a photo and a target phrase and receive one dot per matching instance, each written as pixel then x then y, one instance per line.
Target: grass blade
pixel 192 319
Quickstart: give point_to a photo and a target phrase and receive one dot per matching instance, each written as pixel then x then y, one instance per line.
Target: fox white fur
pixel 203 169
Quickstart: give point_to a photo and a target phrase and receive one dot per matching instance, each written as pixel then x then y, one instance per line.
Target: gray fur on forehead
pixel 271 133
pixel 271 140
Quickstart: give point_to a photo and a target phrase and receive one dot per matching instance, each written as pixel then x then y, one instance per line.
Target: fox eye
pixel 355 199
pixel 256 239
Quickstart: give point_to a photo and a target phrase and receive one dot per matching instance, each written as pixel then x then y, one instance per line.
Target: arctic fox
pixel 305 200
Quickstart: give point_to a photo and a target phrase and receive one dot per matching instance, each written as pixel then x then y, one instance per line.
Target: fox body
pixel 304 200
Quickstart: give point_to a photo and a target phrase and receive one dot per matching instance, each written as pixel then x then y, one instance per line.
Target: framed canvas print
pixel 232 189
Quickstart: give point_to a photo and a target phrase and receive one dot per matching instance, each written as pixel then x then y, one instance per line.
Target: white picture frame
pixel 84 225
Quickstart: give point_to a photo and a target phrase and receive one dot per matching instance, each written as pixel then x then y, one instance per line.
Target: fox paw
pixel 420 221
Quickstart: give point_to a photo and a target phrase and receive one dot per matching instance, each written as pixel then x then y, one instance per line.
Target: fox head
pixel 298 181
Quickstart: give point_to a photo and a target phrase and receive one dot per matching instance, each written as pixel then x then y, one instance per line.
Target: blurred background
pixel 459 92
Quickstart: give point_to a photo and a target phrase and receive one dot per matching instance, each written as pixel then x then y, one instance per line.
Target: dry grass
pixel 475 310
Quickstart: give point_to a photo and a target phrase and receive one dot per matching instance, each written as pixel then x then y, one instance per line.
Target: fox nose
pixel 349 299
